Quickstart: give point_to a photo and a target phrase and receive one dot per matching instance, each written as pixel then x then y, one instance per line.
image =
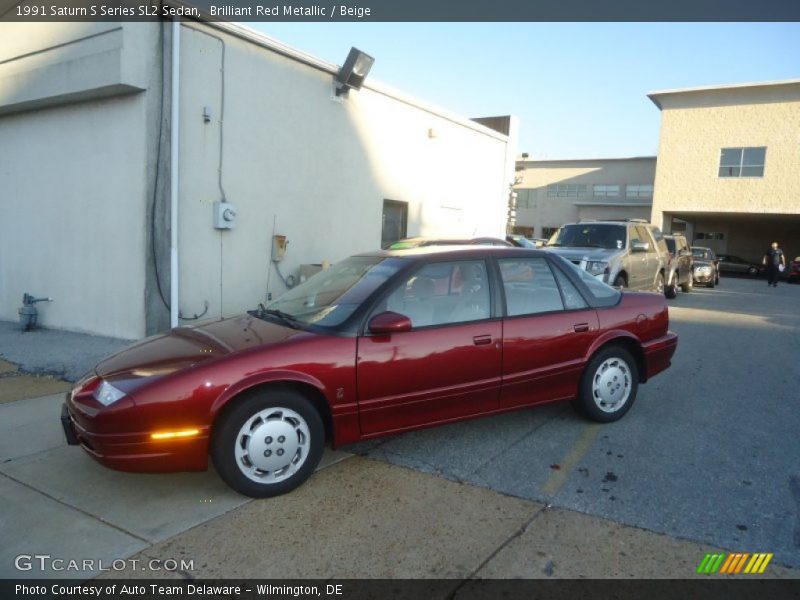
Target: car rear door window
pixel 530 287
pixel 442 293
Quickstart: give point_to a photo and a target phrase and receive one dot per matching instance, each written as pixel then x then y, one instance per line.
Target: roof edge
pixel 655 95
pixel 259 38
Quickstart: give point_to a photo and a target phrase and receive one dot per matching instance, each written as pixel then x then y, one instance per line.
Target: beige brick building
pixel 729 166
pixel 551 193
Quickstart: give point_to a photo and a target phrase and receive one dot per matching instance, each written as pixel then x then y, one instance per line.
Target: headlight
pixel 106 394
pixel 595 267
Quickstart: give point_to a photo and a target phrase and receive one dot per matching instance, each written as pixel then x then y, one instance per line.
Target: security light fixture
pixel 354 71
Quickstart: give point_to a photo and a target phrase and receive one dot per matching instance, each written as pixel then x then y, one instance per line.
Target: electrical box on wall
pixel 279 243
pixel 224 215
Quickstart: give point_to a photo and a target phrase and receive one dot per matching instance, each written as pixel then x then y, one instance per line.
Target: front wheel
pixel 687 287
pixel 620 281
pixel 608 385
pixel 268 444
pixel 752 270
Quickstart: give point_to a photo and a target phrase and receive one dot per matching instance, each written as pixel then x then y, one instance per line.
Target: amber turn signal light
pixel 170 435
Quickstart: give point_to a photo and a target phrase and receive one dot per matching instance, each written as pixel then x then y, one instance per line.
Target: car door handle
pixel 580 327
pixel 482 340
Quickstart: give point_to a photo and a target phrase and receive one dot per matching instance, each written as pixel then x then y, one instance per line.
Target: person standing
pixel 775 262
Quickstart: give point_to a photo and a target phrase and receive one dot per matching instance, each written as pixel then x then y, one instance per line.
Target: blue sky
pixel 578 88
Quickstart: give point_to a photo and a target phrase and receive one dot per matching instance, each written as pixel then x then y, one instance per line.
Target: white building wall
pixel 73 174
pixel 78 121
pixel 319 168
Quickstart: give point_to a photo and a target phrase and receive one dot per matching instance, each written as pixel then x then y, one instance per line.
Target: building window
pixel 566 190
pixel 639 191
pixel 709 235
pixel 548 231
pixel 395 222
pixel 606 191
pixel 742 162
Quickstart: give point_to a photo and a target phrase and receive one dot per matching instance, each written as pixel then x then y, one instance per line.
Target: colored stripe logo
pixel 734 563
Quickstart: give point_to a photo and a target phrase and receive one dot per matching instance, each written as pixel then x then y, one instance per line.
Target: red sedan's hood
pixel 184 347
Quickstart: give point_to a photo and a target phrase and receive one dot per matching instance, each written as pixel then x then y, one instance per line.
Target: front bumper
pixel 703 277
pixel 134 451
pixel 658 353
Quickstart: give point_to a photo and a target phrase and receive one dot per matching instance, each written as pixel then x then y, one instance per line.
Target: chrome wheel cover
pixel 272 445
pixel 611 384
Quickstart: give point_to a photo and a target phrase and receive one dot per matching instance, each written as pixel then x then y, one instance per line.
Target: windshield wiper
pixel 283 316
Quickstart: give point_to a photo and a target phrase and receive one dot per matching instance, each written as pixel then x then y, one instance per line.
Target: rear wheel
pixel 751 270
pixel 608 385
pixel 672 290
pixel 268 444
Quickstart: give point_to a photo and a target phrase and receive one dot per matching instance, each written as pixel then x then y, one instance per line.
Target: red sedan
pixel 378 344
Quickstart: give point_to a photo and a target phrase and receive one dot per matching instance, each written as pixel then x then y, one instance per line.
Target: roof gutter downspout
pixel 174 173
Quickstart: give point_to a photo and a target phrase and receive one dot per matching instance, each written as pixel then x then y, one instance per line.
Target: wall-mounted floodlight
pixel 354 71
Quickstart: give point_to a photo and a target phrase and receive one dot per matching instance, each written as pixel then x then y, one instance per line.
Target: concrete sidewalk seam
pixel 522 529
pixel 76 508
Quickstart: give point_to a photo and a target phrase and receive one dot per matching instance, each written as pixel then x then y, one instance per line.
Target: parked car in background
pixel 520 241
pixel 379 343
pixel 626 254
pixel 680 270
pixel 734 264
pixel 706 266
pixel 793 270
pixel 419 242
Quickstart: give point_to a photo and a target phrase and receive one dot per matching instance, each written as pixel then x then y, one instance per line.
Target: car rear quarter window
pixel 530 287
pixel 600 295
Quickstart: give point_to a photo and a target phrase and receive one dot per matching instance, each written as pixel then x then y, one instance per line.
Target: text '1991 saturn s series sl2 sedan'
pixel 378 344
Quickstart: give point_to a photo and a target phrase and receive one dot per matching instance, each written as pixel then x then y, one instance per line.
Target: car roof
pixel 464 251
pixel 609 222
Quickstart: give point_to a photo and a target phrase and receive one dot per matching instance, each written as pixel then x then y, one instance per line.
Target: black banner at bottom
pixel 400 589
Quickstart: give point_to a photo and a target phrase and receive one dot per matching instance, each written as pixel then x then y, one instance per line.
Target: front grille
pixel 576 262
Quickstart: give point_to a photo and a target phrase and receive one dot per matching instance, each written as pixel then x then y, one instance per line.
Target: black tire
pixel 587 404
pixel 620 281
pixel 671 291
pixel 711 284
pixel 687 287
pixel 716 278
pixel 752 271
pixel 288 413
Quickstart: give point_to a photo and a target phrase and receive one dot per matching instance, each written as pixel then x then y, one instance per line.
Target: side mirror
pixel 389 322
pixel 640 246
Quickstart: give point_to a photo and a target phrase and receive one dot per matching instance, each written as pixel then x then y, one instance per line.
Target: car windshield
pixel 591 236
pixel 604 294
pixel 699 253
pixel 328 298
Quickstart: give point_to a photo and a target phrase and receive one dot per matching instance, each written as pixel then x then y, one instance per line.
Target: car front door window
pixel 442 293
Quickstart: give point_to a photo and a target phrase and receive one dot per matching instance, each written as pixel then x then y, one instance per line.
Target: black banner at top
pixel 402 10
